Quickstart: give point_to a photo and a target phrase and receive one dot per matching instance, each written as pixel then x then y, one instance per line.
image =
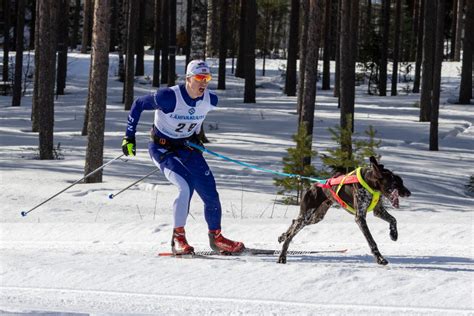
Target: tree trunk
pixel 267 30
pixel 234 29
pixel 165 39
pixel 62 47
pixel 189 23
pixel 87 107
pixel 303 50
pixel 75 24
pixel 250 38
pixel 465 92
pixel 368 28
pixel 172 44
pixel 140 40
pixel 338 52
pixel 429 32
pixel 114 25
pixel 454 21
pixel 419 46
pixel 459 29
pixel 199 27
pixel 98 94
pixel 240 68
pixel 34 100
pixel 396 48
pixel 410 54
pixel 291 61
pixel 46 64
pixel 32 25
pixel 311 68
pixel 327 47
pixel 385 27
pixel 123 24
pixel 354 33
pixel 157 44
pixel 438 60
pixel 6 39
pixel 349 11
pixel 212 33
pixel 20 23
pixel 347 83
pixel 223 45
pixel 131 31
pixel 86 27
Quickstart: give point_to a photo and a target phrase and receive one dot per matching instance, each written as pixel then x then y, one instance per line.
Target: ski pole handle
pixel 24 213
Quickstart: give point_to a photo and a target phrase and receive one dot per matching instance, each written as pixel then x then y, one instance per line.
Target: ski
pixel 251 252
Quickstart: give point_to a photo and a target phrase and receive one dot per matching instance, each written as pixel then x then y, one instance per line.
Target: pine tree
pixel 367 147
pixel 341 161
pixel 294 163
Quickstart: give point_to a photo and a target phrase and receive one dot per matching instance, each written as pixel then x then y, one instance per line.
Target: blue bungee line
pixel 290 175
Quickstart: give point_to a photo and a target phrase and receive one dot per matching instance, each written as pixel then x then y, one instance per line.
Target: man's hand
pixel 196 140
pixel 129 146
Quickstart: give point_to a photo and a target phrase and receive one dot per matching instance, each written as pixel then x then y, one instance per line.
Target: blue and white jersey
pixel 177 116
pixel 185 119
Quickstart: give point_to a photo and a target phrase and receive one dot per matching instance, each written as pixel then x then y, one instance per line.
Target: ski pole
pixel 111 195
pixel 23 213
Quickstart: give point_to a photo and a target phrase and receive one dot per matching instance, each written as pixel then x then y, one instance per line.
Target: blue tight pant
pixel 189 172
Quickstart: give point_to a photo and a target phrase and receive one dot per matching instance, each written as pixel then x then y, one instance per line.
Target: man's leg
pixel 205 186
pixel 177 174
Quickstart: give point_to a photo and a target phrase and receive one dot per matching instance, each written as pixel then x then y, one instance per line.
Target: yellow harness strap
pixel 375 194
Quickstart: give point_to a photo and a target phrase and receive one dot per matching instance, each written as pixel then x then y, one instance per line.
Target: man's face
pixel 197 84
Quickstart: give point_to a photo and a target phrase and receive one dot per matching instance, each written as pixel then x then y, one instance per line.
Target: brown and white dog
pixel 358 195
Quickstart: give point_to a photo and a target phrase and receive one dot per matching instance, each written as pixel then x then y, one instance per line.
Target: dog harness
pixel 349 179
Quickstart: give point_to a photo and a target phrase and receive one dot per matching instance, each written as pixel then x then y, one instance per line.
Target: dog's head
pixel 388 183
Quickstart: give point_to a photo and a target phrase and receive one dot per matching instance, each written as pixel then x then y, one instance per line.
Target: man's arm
pixel 139 105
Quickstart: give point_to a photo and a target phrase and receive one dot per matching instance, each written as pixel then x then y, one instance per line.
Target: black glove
pixel 129 146
pixel 195 139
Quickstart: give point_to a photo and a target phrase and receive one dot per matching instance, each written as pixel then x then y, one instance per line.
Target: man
pixel 179 113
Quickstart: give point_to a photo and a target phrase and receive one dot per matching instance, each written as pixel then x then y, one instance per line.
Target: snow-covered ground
pixel 84 253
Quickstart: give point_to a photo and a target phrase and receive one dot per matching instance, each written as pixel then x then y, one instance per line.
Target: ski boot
pixel 223 245
pixel 179 244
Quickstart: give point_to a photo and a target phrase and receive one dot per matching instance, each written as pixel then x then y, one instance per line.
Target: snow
pixel 84 253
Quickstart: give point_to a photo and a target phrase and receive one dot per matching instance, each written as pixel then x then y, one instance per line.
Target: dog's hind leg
pixel 311 216
pixel 360 218
pixel 382 213
pixel 312 200
pixel 295 227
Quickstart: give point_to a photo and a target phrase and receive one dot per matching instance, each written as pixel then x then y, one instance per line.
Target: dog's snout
pixel 404 192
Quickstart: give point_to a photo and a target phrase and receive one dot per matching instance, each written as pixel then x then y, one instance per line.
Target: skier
pixel 179 113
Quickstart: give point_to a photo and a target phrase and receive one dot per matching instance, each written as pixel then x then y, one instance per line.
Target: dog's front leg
pixel 382 213
pixel 362 202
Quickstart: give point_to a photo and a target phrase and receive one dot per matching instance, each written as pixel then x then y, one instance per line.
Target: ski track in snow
pixel 75 299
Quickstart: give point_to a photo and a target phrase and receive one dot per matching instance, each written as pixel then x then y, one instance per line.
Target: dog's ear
pixel 376 167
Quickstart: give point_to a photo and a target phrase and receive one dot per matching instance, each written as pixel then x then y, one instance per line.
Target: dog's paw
pixel 393 231
pixel 382 261
pixel 281 260
pixel 394 234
